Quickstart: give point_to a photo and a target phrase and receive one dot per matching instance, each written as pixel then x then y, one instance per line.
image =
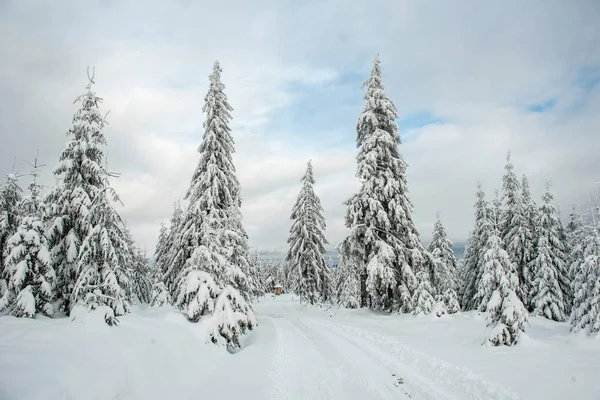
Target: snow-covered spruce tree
pixel 103 279
pixel 160 295
pixel 214 192
pixel 80 174
pixel 530 212
pixel 141 275
pixel 586 286
pixel 211 239
pixel 204 289
pixel 307 242
pixel 161 250
pixel 576 234
pixel 505 312
pixel 347 285
pixel 515 230
pixel 444 269
pixel 10 199
pixel 28 267
pixel 496 212
pixel 380 214
pixel 548 297
pixel 476 249
pixel 173 260
pixel 423 301
pixel 253 275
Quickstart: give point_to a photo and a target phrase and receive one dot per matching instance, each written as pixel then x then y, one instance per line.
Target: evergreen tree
pixel 477 247
pixel 586 286
pixel 547 295
pixel 423 302
pixel 505 312
pixel 444 271
pixel 141 277
pixel 347 286
pixel 307 242
pixel 383 238
pixel 212 251
pixel 530 214
pixel 576 234
pixel 214 193
pixel 10 198
pixel 253 274
pixel 103 279
pixel 28 267
pixel 173 244
pixel 162 250
pixel 80 174
pixel 516 233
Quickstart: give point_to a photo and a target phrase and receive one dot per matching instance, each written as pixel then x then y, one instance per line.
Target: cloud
pixel 470 81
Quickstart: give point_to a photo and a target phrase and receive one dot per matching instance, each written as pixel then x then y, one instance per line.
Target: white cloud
pixel 475 65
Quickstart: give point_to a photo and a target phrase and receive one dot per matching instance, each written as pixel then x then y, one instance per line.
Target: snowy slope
pixel 297 352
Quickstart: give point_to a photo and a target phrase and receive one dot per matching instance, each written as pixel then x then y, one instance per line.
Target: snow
pixel 297 352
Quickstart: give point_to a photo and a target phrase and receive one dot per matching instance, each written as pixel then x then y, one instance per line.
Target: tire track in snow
pixel 454 382
pixel 364 376
pixel 297 369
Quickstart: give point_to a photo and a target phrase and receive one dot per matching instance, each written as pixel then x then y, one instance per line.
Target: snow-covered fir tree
pixel 307 242
pixel 586 285
pixel 29 271
pixel 162 249
pixel 530 213
pixel 80 175
pixel 515 230
pixel 576 232
pixel 211 245
pixel 173 256
pixel 496 212
pixel 103 279
pixel 548 296
pixel 347 285
pixel 423 301
pixel 443 270
pixel 383 239
pixel 141 275
pixel 475 251
pixel 214 194
pixel 254 276
pixel 10 199
pixel 506 314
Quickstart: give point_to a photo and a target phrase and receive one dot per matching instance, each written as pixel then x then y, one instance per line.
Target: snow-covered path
pixel 304 355
pixel 297 352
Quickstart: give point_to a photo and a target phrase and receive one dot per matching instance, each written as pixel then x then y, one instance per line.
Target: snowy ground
pixel 296 353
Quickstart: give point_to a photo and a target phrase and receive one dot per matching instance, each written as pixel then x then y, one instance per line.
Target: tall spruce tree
pixel 103 271
pixel 586 285
pixel 214 193
pixel 575 231
pixel 173 257
pixel 383 239
pixel 474 254
pixel 444 274
pixel 548 295
pixel 10 199
pixel 506 314
pixel 347 286
pixel 515 230
pixel 307 242
pixel 28 267
pixel 80 175
pixel 211 241
pixel 530 212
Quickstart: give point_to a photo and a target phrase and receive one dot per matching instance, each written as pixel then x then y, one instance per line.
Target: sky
pixel 470 79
